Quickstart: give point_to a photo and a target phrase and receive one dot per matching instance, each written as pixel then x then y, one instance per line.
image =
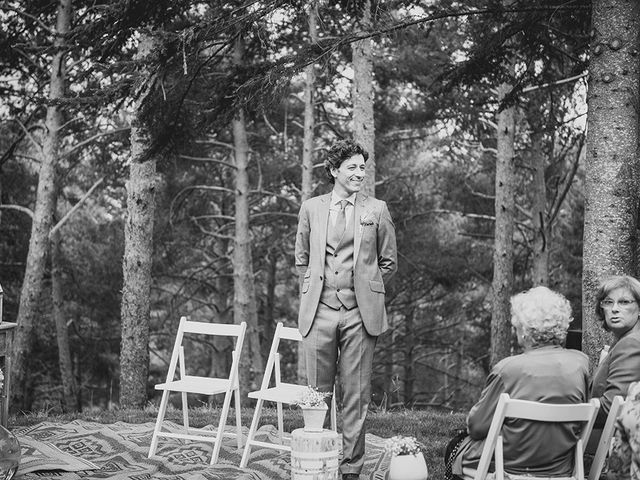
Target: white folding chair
pixel 201 385
pixel 280 393
pixel 536 411
pixel 605 438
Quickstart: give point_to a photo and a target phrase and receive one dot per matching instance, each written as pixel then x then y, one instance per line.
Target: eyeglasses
pixel 622 303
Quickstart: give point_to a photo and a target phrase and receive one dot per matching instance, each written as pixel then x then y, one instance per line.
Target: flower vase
pixel 314 418
pixel 9 454
pixel 408 467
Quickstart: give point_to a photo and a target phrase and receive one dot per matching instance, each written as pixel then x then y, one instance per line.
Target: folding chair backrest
pixel 545 412
pixel 605 438
pixel 535 411
pixel 204 328
pixel 273 362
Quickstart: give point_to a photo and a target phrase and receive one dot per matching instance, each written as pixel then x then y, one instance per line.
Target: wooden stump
pixel 314 455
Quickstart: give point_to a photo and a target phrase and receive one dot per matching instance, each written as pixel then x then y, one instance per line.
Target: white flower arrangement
pixel 400 445
pixel 312 397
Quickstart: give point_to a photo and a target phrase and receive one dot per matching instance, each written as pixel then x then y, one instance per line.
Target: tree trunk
pixel 542 230
pixel 223 300
pixel 69 387
pixel 269 320
pixel 611 190
pixel 309 112
pixel 363 124
pixel 244 295
pixel 138 247
pixel 136 269
pixel 503 243
pixel 409 360
pixel 307 146
pixel 43 215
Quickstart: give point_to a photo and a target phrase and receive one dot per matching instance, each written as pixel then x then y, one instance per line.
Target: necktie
pixel 341 220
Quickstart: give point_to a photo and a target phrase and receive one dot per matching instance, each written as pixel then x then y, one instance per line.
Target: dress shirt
pixel 334 208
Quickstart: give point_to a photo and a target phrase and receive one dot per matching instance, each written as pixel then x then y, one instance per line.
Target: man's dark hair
pixel 341 151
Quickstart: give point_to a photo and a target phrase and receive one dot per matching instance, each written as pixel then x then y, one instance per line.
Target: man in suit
pixel 345 254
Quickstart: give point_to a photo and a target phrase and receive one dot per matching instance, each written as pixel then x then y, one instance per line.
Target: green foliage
pixel 435 167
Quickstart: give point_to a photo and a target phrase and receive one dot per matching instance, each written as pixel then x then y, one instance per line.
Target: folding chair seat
pixel 605 438
pixel 536 411
pixel 202 385
pixel 281 393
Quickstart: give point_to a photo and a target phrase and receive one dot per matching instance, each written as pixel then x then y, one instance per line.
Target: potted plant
pixel 314 408
pixel 9 446
pixel 407 461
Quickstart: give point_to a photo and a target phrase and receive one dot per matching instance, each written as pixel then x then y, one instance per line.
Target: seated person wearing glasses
pixel 617 307
pixel 544 372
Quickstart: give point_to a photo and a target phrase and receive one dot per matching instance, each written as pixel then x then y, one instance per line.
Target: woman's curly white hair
pixel 542 315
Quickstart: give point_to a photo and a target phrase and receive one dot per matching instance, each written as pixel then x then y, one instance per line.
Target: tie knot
pixel 343 204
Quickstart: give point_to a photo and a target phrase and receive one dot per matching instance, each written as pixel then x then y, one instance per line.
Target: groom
pixel 345 254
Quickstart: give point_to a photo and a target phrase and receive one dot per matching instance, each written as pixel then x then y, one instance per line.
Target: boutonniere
pixel 367 219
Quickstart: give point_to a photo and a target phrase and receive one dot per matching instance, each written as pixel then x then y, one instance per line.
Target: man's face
pixel 349 176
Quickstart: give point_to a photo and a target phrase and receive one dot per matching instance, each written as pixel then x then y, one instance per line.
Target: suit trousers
pixel 338 342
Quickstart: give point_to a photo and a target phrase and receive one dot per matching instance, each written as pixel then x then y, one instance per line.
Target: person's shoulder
pixel 577 356
pixel 319 199
pixel 508 363
pixel 371 202
pixel 631 340
pixel 569 356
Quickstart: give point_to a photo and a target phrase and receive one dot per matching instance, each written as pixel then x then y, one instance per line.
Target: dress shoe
pixel 350 476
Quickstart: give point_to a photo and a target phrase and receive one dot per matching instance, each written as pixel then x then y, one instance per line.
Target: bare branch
pixel 567 185
pixel 211 141
pixel 91 139
pixel 558 82
pixel 64 219
pixel 207 159
pixel 28 133
pixel 489 123
pixel 450 212
pixel 19 209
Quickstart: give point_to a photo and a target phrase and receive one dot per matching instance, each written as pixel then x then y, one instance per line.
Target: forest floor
pixel 432 428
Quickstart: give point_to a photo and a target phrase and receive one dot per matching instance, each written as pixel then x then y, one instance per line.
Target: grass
pixel 432 428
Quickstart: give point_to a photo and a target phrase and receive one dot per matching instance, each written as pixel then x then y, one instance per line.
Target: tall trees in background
pixel 308 139
pixel 612 160
pixel 32 285
pixel 244 292
pixel 502 284
pixel 363 95
pixel 435 112
pixel 138 231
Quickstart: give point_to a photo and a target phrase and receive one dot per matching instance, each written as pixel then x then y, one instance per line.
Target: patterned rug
pixel 119 452
pixel 38 456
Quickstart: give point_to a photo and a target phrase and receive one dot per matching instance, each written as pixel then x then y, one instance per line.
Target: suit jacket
pixel 616 372
pixel 374 261
pixel 549 374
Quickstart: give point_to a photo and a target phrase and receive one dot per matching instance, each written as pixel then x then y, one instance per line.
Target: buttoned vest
pixel 338 289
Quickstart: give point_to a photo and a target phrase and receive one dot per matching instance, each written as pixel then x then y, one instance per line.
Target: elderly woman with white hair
pixel 544 372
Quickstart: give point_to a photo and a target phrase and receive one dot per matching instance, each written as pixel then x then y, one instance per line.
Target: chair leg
pixel 499 460
pixel 334 414
pixel 252 432
pixel 185 412
pixel 221 425
pixel 161 412
pixel 280 423
pixel 236 396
